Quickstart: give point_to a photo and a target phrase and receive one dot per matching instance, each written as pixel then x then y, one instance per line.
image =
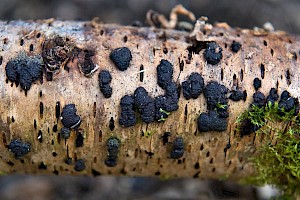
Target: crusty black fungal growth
pixel 273 96
pixel 247 127
pixel 164 73
pixel 193 87
pixel 256 83
pixel 127 117
pixel 213 53
pixel 286 102
pixel 24 70
pixel 121 57
pixel 216 98
pixel 79 165
pixel 85 62
pixel 211 122
pixel 259 99
pixel 19 148
pixel 235 46
pixel 144 104
pixel 69 118
pixel 65 132
pixel 177 148
pixel 104 81
pixel 113 145
pixel 237 95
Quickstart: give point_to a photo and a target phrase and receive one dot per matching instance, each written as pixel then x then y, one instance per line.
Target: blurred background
pixel 283 14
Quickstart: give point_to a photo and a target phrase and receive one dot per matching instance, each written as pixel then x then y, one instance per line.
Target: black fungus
pixel 19 148
pixel 273 96
pixel 127 117
pixel 104 81
pixel 85 62
pixel 257 83
pixel 237 95
pixel 65 132
pixel 121 57
pixel 286 101
pixel 144 104
pixel 24 70
pixel 193 87
pixel 177 148
pixel 164 73
pixel 247 127
pixel 211 122
pixel 213 53
pixel 113 145
pixel 79 165
pixel 235 46
pixel 216 98
pixel 69 118
pixel 259 99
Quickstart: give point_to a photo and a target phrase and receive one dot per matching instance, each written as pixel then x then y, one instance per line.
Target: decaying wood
pixel 139 155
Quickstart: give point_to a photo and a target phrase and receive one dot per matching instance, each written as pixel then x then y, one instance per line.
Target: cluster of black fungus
pixel 24 70
pixel 273 96
pixel 256 83
pixel 247 127
pixel 216 98
pixel 177 148
pixel 213 53
pixel 104 81
pixel 113 145
pixel 79 165
pixel 259 99
pixel 164 73
pixel 85 62
pixel 121 57
pixel 19 148
pixel 127 117
pixel 237 95
pixel 235 46
pixel 144 104
pixel 69 118
pixel 193 87
pixel 211 122
pixel 286 102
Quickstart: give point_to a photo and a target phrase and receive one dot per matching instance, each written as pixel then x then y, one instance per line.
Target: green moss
pixel 162 119
pixel 277 159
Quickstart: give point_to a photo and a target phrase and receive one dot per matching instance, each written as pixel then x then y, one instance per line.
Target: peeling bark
pixel 144 150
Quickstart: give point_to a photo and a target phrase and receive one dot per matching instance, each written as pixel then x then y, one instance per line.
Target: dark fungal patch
pixel 127 117
pixel 144 104
pixel 247 127
pixel 121 57
pixel 85 61
pixel 164 73
pixel 165 137
pixel 211 122
pixel 237 95
pixel 65 132
pixel 177 148
pixel 24 70
pixel 193 87
pixel 259 99
pixel 235 46
pixel 19 148
pixel 256 83
pixel 213 53
pixel 104 79
pixel 79 165
pixel 273 96
pixel 69 118
pixel 286 102
pixel 113 145
pixel 216 98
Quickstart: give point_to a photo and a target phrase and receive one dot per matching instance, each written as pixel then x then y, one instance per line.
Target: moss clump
pixel 277 160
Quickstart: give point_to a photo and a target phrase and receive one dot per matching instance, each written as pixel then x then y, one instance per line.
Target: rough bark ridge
pixel 70 76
